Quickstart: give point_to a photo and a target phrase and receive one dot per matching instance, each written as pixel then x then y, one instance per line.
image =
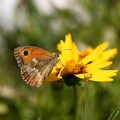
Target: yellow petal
pixel 105 56
pixel 68 47
pixel 95 54
pixel 52 77
pixel 97 66
pixel 95 78
pixel 62 55
pixel 75 53
pixel 104 73
pixel 99 75
pixel 101 79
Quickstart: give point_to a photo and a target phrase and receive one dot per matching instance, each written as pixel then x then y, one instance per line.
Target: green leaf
pixel 114 114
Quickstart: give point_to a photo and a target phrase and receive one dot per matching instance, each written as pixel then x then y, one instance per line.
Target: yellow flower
pixel 86 65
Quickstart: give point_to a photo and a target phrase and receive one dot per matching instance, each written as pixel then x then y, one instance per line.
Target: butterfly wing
pixel 36 66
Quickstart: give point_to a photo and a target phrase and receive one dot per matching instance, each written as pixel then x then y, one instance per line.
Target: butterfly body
pixel 36 64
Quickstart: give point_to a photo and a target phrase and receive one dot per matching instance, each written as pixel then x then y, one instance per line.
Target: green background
pixel 99 21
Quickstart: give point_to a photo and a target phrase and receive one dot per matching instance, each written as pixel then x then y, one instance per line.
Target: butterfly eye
pixel 25 52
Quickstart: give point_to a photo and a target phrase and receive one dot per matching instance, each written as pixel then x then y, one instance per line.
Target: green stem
pixel 75 102
pixel 86 101
pixel 86 96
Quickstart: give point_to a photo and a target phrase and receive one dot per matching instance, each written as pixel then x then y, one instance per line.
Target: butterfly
pixel 35 63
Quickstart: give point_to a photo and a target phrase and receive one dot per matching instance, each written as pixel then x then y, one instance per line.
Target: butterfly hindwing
pixel 36 64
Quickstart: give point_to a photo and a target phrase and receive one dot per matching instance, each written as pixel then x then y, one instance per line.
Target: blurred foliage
pixel 55 100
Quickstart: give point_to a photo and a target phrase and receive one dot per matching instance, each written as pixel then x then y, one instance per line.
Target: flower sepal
pixel 72 80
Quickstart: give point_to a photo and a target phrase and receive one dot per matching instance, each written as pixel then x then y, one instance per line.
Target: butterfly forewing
pixel 36 64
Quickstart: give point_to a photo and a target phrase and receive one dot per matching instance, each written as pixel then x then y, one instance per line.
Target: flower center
pixel 76 68
pixel 79 69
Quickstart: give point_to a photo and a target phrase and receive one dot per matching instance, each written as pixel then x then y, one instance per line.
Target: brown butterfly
pixel 35 63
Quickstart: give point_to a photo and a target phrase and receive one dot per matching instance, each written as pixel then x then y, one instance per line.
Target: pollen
pixel 79 69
